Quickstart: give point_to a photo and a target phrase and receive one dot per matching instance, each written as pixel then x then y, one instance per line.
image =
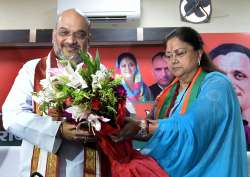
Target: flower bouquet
pixel 73 90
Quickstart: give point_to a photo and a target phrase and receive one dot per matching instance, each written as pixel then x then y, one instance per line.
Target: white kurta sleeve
pixel 18 116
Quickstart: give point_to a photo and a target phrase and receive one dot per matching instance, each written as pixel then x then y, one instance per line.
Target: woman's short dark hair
pixel 193 38
pixel 126 55
pixel 226 48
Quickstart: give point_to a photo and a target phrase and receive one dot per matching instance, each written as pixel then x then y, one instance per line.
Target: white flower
pixel 94 122
pixel 98 77
pixel 45 83
pixel 38 97
pixel 45 95
pixel 77 111
pixel 75 79
pixel 67 75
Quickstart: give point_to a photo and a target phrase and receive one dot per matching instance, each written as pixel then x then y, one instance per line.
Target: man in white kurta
pixel 70 35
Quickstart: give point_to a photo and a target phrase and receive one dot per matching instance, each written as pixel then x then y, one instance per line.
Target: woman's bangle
pixel 143 132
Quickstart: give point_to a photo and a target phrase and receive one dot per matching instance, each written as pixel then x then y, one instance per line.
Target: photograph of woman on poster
pixel 128 68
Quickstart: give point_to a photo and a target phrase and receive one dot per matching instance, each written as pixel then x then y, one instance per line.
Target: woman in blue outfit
pixel 197 131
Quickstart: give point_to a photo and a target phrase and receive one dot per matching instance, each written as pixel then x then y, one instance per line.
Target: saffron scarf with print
pixel 165 101
pixel 91 154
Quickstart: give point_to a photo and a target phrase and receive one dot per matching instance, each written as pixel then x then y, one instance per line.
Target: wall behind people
pixel 11 59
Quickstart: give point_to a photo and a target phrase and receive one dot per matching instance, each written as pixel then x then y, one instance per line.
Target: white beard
pixel 59 53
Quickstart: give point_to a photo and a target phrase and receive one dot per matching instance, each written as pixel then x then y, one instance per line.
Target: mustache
pixel 72 46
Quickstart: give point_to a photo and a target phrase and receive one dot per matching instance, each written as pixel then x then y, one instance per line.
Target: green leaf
pixel 111 109
pixel 97 60
pixel 80 96
pixel 87 61
pixel 64 62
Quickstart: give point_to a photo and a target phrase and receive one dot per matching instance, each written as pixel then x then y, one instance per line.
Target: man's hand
pixel 70 132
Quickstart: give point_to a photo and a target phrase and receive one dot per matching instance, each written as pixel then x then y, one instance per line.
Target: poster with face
pixel 231 53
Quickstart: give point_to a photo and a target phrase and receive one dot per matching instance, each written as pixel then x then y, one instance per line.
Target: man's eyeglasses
pixel 81 35
pixel 177 53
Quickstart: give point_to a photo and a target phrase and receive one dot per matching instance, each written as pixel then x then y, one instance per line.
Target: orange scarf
pixel 166 99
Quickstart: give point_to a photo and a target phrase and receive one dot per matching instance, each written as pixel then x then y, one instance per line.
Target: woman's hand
pixel 133 129
pixel 129 130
